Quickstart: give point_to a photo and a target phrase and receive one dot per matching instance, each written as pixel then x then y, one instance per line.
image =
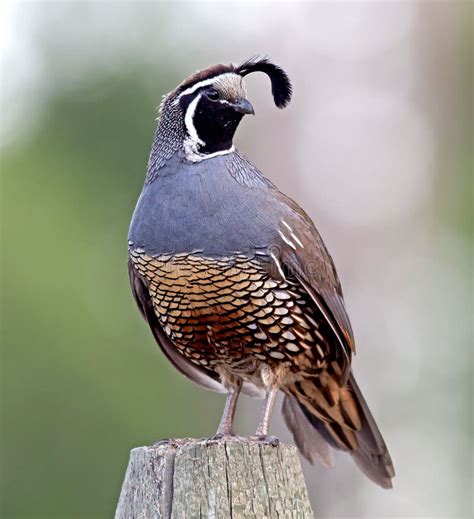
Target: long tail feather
pixel 320 410
pixel 309 441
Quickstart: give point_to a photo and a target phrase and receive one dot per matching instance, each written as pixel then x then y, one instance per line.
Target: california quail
pixel 234 280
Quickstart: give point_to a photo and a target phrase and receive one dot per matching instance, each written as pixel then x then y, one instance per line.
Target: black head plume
pixel 201 115
pixel 281 85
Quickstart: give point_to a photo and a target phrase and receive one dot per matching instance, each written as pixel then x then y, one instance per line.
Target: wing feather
pixel 303 255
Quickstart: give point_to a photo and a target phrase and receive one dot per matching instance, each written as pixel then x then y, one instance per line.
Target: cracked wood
pixel 192 479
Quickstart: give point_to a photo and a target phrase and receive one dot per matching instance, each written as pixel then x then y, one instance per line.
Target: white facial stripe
pixel 189 123
pixel 205 82
pixel 193 142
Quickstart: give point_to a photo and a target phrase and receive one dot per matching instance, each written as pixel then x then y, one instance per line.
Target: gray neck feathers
pixel 168 141
pixel 169 137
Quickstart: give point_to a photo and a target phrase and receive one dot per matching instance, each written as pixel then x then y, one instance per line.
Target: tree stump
pixel 232 478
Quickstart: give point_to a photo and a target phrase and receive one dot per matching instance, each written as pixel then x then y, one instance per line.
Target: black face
pixel 215 119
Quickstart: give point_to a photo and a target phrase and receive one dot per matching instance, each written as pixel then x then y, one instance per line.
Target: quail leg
pixel 262 429
pixel 227 420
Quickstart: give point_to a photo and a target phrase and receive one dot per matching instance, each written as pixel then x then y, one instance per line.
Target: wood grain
pixel 237 478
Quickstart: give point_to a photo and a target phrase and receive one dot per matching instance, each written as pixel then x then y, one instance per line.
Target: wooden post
pixel 219 479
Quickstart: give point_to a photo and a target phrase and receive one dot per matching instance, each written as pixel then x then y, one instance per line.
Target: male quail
pixel 234 280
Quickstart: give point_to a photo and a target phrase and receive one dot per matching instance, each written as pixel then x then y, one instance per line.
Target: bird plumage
pixel 234 279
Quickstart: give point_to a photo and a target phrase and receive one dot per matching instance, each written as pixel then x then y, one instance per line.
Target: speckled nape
pixel 245 173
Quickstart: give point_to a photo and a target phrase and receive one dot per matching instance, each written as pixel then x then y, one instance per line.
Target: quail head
pixel 235 281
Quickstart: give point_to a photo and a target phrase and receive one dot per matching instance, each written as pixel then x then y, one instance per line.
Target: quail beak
pixel 243 106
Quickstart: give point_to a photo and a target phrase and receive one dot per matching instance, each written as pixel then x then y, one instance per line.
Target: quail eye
pixel 213 95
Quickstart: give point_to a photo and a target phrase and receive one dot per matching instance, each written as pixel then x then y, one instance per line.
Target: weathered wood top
pixel 237 478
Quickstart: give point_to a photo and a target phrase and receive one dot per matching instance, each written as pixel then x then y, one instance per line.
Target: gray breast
pixel 203 207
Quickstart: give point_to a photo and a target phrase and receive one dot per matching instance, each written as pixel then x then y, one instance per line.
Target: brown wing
pixel 329 407
pixel 303 255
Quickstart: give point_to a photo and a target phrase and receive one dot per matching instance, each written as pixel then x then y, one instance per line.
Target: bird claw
pixel 219 437
pixel 164 441
pixel 173 442
pixel 222 437
pixel 271 440
pixel 266 439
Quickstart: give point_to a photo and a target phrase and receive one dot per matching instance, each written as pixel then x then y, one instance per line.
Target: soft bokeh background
pixel 376 145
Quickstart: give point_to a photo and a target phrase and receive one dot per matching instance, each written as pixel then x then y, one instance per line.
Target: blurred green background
pixel 82 381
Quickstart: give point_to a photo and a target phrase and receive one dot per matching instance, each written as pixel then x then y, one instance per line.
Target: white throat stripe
pixel 198 157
